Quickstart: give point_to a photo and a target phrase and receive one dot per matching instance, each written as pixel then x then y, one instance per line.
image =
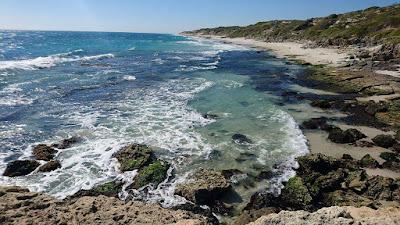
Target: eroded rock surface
pixel 333 216
pixel 19 206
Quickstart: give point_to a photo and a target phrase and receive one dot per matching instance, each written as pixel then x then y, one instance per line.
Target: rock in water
pixel 134 157
pixel 154 174
pixel 384 141
pixel 20 168
pixel 67 143
pixel 241 139
pixel 50 166
pixel 44 152
pixel 204 187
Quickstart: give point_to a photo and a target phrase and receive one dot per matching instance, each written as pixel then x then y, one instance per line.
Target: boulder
pixel 384 141
pixel 368 162
pixel 295 195
pixel 134 156
pixel 50 166
pixel 337 135
pixel 20 168
pixel 204 187
pixel 43 152
pixel 153 174
pixel 241 139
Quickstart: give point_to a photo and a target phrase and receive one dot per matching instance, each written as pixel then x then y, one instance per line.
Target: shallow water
pixel 118 88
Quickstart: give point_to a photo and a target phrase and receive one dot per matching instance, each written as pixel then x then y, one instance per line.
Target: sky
pixel 163 16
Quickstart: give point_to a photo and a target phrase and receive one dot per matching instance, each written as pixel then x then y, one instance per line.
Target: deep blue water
pixel 112 89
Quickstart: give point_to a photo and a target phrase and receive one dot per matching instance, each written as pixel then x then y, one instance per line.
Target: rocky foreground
pixel 19 206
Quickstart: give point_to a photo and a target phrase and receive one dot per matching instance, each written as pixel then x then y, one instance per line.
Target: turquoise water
pixel 112 89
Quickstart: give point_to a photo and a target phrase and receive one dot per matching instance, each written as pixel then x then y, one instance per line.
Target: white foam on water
pixel 129 77
pixel 296 142
pixel 13 95
pixel 49 61
pixel 157 116
pixel 132 49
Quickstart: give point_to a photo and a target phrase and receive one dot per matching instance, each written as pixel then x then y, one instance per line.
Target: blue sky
pixel 163 16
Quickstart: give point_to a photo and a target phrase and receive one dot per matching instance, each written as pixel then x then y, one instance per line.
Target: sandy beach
pixel 316 56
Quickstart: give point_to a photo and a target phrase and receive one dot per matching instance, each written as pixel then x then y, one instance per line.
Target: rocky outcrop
pixel 333 216
pixel 19 206
pixel 368 162
pixel 20 168
pixel 43 152
pixel 384 141
pixel 67 143
pixel 154 174
pixel 204 187
pixel 110 189
pixel 324 181
pixel 50 166
pixel 134 157
pixel 337 135
pixel 151 171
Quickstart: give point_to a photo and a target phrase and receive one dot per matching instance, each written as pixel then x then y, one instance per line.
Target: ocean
pixel 112 89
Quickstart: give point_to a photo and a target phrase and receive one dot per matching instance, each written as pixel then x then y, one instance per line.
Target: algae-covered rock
pixel 20 168
pixel 204 187
pixel 43 152
pixel 295 194
pixel 155 173
pixel 345 198
pixel 50 166
pixel 384 141
pixel 390 156
pixel 110 189
pixel 369 162
pixel 134 157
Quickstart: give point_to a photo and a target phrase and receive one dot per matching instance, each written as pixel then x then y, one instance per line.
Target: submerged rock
pixel 154 174
pixel 204 187
pixel 43 152
pixel 50 166
pixel 67 143
pixel 134 156
pixel 241 139
pixel 384 141
pixel 20 168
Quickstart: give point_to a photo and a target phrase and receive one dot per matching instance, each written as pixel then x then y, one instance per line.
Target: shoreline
pixel 318 141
